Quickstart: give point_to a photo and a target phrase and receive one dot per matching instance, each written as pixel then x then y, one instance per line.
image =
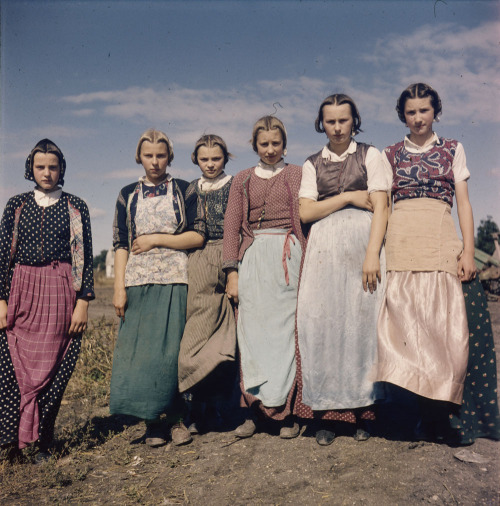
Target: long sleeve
pixel 6 236
pixel 120 227
pixel 87 289
pixel 233 221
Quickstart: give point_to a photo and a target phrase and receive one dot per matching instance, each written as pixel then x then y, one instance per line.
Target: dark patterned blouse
pixel 41 236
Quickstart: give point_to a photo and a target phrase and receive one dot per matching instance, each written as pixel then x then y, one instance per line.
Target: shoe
pixel 179 434
pixel 361 435
pixel 154 435
pixel 289 432
pixel 41 458
pixel 246 429
pixel 193 429
pixel 325 437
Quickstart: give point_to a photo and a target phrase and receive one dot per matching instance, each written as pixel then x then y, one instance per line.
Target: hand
pixel 3 314
pixel 466 267
pixel 371 272
pixel 361 199
pixel 232 286
pixel 142 244
pixel 79 318
pixel 120 302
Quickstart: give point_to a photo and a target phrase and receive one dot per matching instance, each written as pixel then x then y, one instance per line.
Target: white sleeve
pixel 459 167
pixel 308 185
pixel 379 179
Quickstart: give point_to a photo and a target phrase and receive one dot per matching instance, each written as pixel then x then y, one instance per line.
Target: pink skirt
pixel 40 309
pixel 423 336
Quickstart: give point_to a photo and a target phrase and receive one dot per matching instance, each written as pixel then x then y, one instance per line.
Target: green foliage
pixel 100 260
pixel 484 239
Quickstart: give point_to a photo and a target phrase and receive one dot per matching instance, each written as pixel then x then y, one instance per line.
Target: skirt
pixel 336 318
pixel 209 337
pixel 478 416
pixel 40 309
pixel 144 376
pixel 267 292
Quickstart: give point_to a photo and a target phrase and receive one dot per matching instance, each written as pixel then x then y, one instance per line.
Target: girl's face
pixel 270 146
pixel 337 122
pixel 419 115
pixel 154 159
pixel 46 170
pixel 210 161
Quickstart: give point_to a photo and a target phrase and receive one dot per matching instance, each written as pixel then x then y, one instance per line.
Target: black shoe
pixel 325 437
pixel 361 435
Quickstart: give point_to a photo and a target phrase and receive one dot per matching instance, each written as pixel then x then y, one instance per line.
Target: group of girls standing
pixel 279 276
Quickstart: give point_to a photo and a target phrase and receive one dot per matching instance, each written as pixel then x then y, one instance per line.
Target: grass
pixel 92 374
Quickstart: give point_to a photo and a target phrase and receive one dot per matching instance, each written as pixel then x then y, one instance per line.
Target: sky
pixel 93 75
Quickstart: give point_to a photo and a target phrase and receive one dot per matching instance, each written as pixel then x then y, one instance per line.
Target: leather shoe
pixel 246 429
pixel 180 435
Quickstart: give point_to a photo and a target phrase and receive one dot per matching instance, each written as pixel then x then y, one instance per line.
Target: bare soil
pixel 101 460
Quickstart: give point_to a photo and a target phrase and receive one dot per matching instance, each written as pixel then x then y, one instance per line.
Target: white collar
pixel 411 146
pixel 333 157
pixel 146 182
pixel 265 171
pixel 46 199
pixel 216 183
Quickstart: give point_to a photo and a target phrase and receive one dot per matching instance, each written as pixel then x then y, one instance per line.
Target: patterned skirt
pixel 209 337
pixel 144 377
pixel 478 416
pixel 37 356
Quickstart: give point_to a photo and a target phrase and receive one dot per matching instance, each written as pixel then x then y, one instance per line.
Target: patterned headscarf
pixel 45 146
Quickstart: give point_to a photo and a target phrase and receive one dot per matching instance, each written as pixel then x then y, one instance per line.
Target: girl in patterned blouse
pixel 422 327
pixel 46 282
pixel 207 367
pixel 263 244
pixel 152 229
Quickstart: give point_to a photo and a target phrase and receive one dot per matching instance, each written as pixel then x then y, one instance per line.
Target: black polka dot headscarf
pixel 45 146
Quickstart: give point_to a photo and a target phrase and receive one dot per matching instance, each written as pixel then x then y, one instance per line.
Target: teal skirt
pixel 144 376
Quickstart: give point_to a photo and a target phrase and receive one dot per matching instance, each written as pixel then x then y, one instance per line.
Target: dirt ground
pixel 116 468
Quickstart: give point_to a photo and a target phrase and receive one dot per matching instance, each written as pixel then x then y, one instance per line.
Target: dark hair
pixel 418 90
pixel 45 146
pixel 339 99
pixel 266 124
pixel 210 141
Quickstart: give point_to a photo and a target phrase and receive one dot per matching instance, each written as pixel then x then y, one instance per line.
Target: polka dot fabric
pixel 42 235
pixel 479 415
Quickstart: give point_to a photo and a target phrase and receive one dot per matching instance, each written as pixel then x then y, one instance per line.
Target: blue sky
pixel 93 75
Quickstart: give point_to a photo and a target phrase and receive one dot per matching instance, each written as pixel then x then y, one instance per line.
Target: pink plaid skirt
pixel 40 308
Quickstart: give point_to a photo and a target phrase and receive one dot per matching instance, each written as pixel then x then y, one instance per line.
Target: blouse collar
pixel 146 182
pixel 265 171
pixel 216 183
pixel 46 199
pixel 333 157
pixel 415 148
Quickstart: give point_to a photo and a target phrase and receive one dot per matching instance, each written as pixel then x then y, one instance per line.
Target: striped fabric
pixel 210 335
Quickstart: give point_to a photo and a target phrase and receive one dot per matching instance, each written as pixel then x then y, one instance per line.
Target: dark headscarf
pixel 45 146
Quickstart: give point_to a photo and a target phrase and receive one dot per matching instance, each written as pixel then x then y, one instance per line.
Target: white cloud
pixel 460 63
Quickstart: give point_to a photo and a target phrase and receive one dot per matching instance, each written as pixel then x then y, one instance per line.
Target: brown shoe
pixel 246 429
pixel 289 432
pixel 154 435
pixel 180 435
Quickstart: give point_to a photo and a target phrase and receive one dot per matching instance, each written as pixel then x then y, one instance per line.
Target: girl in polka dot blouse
pixel 46 283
